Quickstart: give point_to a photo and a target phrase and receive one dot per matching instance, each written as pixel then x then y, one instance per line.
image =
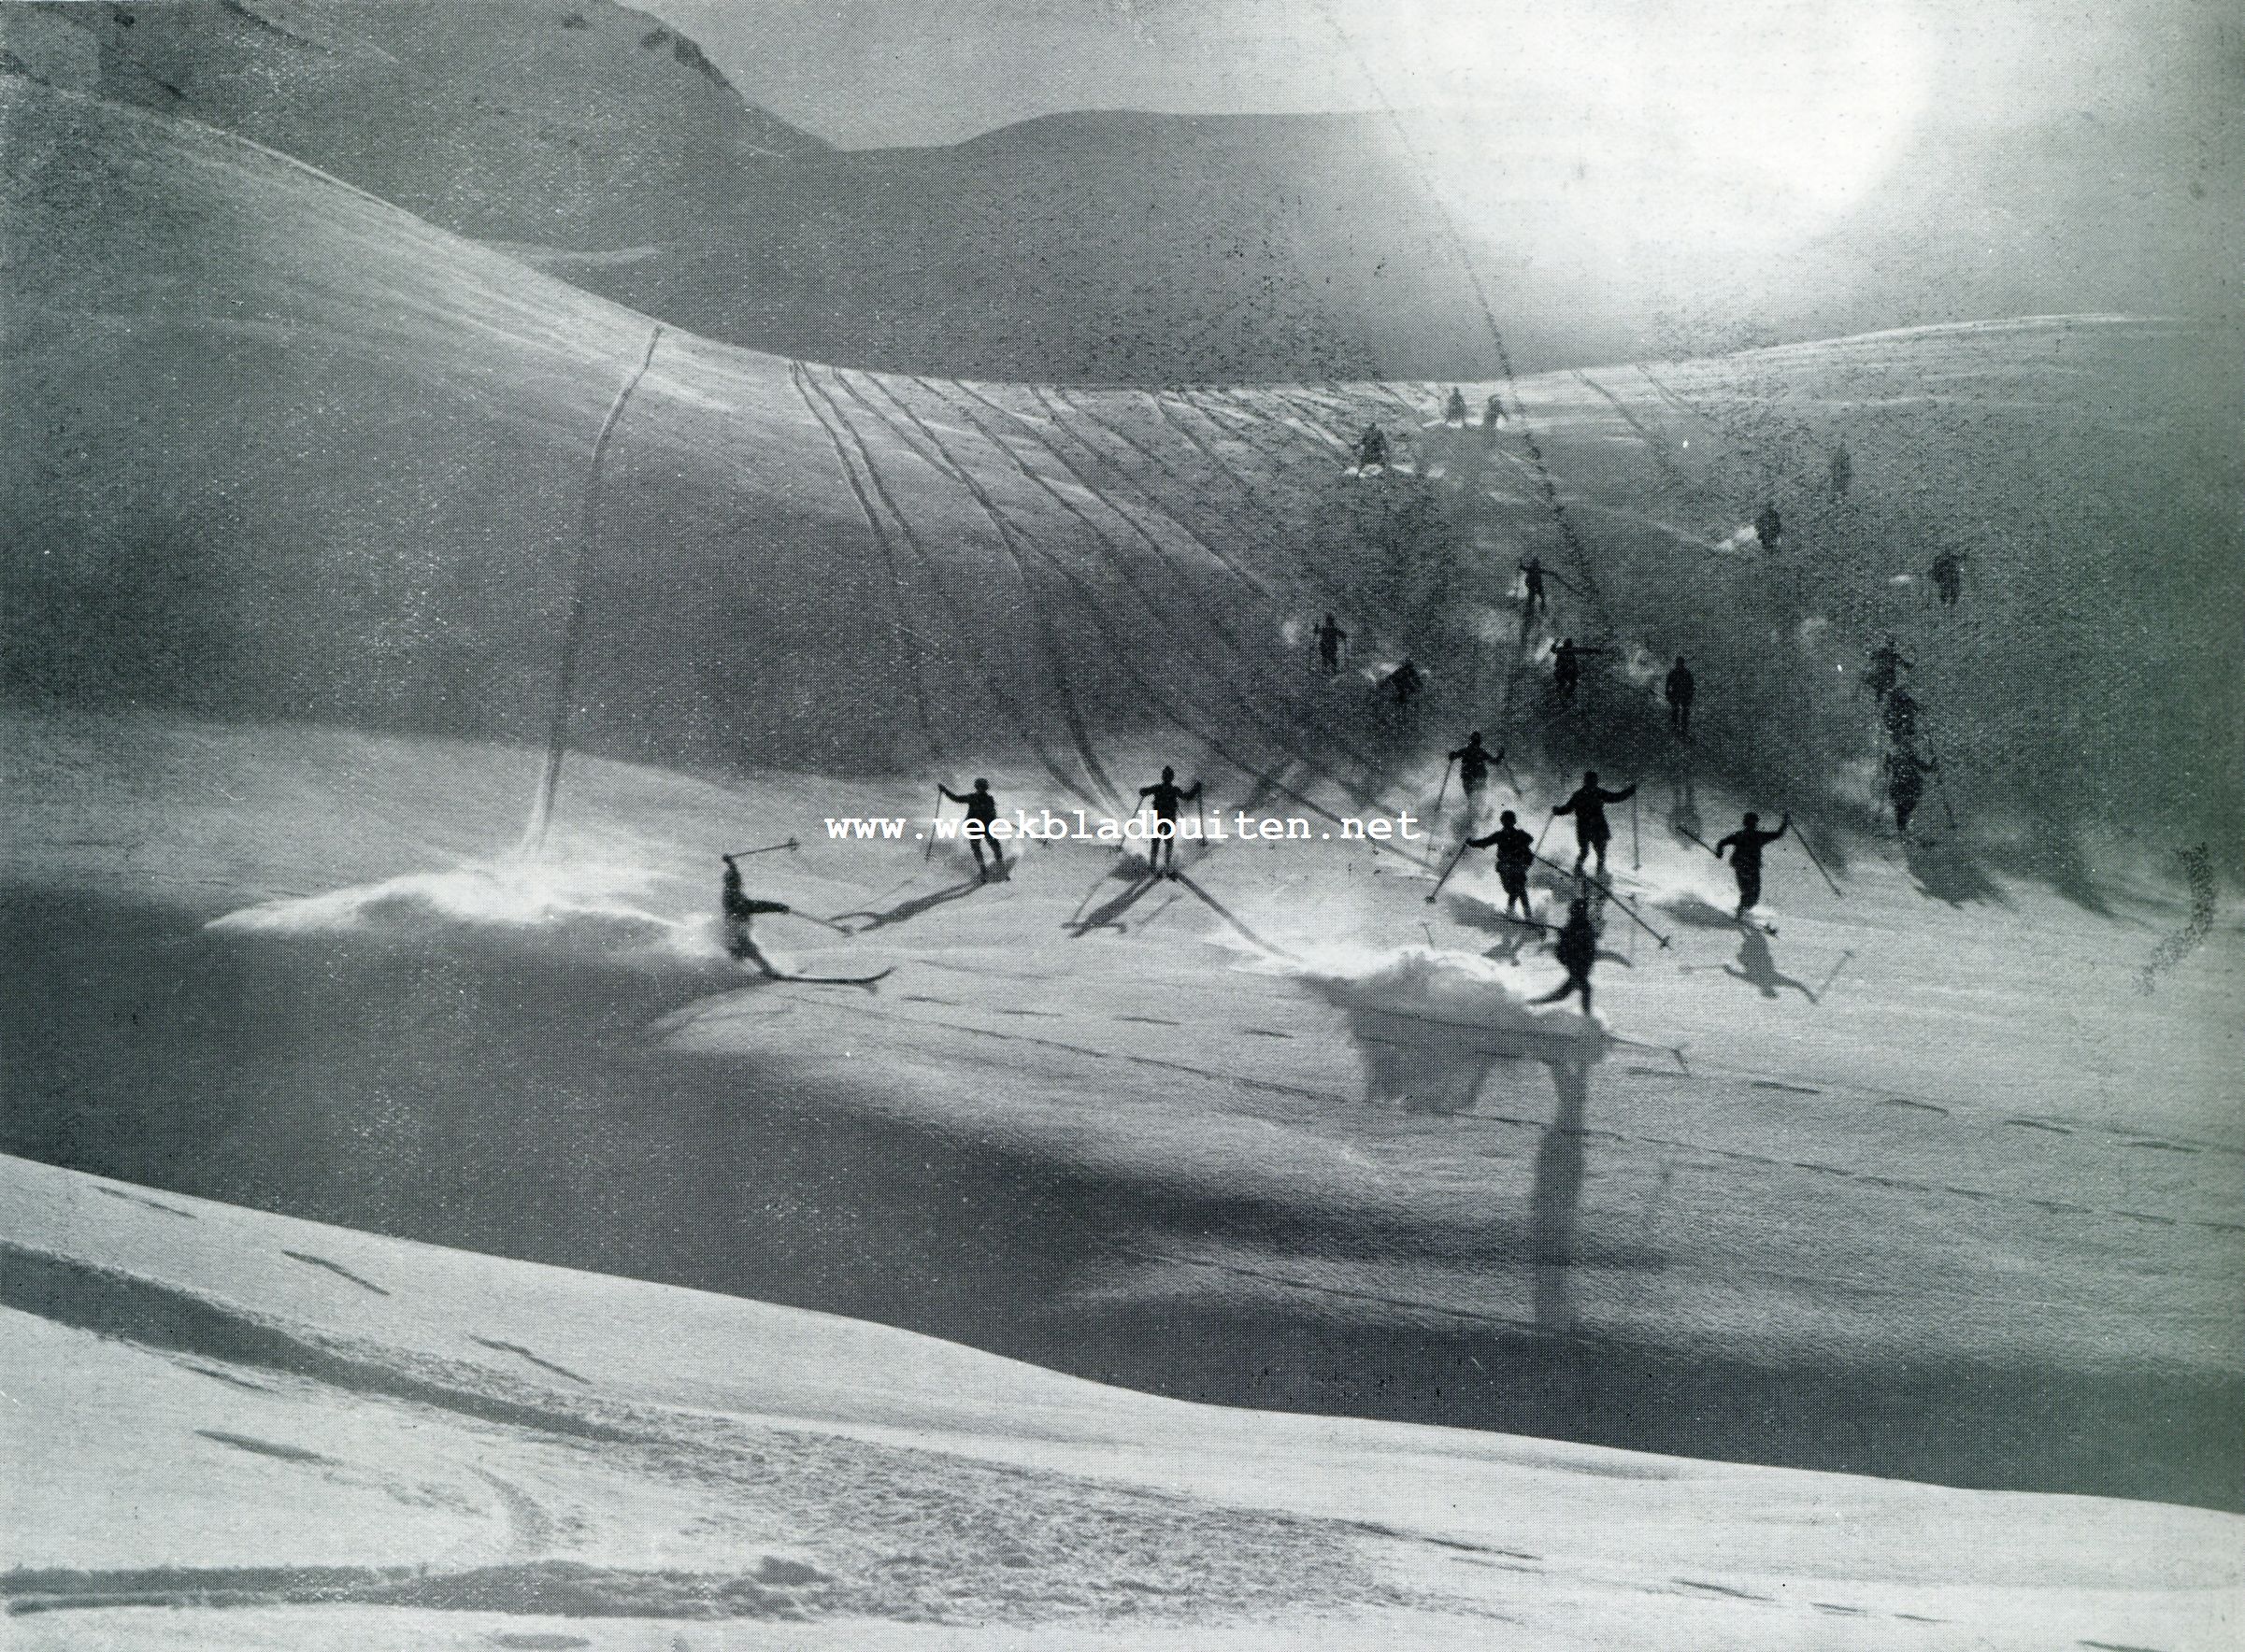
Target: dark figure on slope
pixel 1577 951
pixel 1588 807
pixel 1406 682
pixel 1843 471
pixel 1948 576
pixel 1901 718
pixel 1330 637
pixel 982 811
pixel 1492 414
pixel 1166 795
pixel 1372 448
pixel 1566 668
pixel 1473 761
pixel 1769 527
pixel 1906 773
pixel 1679 689
pixel 1454 413
pixel 1746 846
pixel 1887 665
pixel 1515 854
pixel 738 911
pixel 1533 570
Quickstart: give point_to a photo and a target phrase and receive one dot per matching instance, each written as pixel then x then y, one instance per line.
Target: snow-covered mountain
pixel 566 125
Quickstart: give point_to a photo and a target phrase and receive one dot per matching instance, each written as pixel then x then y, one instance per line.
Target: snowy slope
pixel 1263 1136
pixel 284 450
pixel 232 1427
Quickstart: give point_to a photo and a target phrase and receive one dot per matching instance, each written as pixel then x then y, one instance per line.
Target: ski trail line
pixel 1289 732
pixel 1247 575
pixel 1152 691
pixel 1040 616
pixel 1025 726
pixel 888 553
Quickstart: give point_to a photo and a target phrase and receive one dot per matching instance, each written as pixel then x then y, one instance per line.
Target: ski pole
pixel 1636 861
pixel 1801 838
pixel 1607 889
pixel 1463 846
pixel 1444 790
pixel 767 849
pixel 929 853
pixel 1546 833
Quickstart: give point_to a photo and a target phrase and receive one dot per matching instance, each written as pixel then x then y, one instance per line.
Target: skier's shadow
pixel 1109 913
pixel 1759 969
pixel 1949 874
pixel 904 911
pixel 1555 1198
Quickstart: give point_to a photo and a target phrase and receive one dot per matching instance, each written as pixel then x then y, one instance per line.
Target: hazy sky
pixel 871 72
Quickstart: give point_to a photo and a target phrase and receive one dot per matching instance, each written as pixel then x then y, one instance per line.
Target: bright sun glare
pixel 1759 121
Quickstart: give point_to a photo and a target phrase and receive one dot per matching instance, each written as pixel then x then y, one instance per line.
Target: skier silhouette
pixel 1492 414
pixel 1372 448
pixel 1901 718
pixel 982 811
pixel 1887 665
pixel 1566 668
pixel 1515 854
pixel 1947 577
pixel 1746 846
pixel 1906 773
pixel 1533 568
pixel 1577 951
pixel 1769 527
pixel 1454 413
pixel 1166 795
pixel 1588 807
pixel 1330 637
pixel 1405 682
pixel 1679 689
pixel 739 910
pixel 1474 760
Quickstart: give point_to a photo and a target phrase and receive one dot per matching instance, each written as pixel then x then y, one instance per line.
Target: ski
pixel 834 981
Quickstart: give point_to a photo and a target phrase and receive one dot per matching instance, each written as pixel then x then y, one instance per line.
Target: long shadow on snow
pixel 454 1094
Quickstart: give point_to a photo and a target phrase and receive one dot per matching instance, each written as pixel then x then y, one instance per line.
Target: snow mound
pixel 571 906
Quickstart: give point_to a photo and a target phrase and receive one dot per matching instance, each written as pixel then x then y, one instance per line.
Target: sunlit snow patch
pixel 1743 538
pixel 568 905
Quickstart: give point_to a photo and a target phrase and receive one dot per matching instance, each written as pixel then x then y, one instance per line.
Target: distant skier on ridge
pixel 1947 577
pixel 1371 450
pixel 1329 637
pixel 1746 846
pixel 1769 527
pixel 1678 690
pixel 1533 569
